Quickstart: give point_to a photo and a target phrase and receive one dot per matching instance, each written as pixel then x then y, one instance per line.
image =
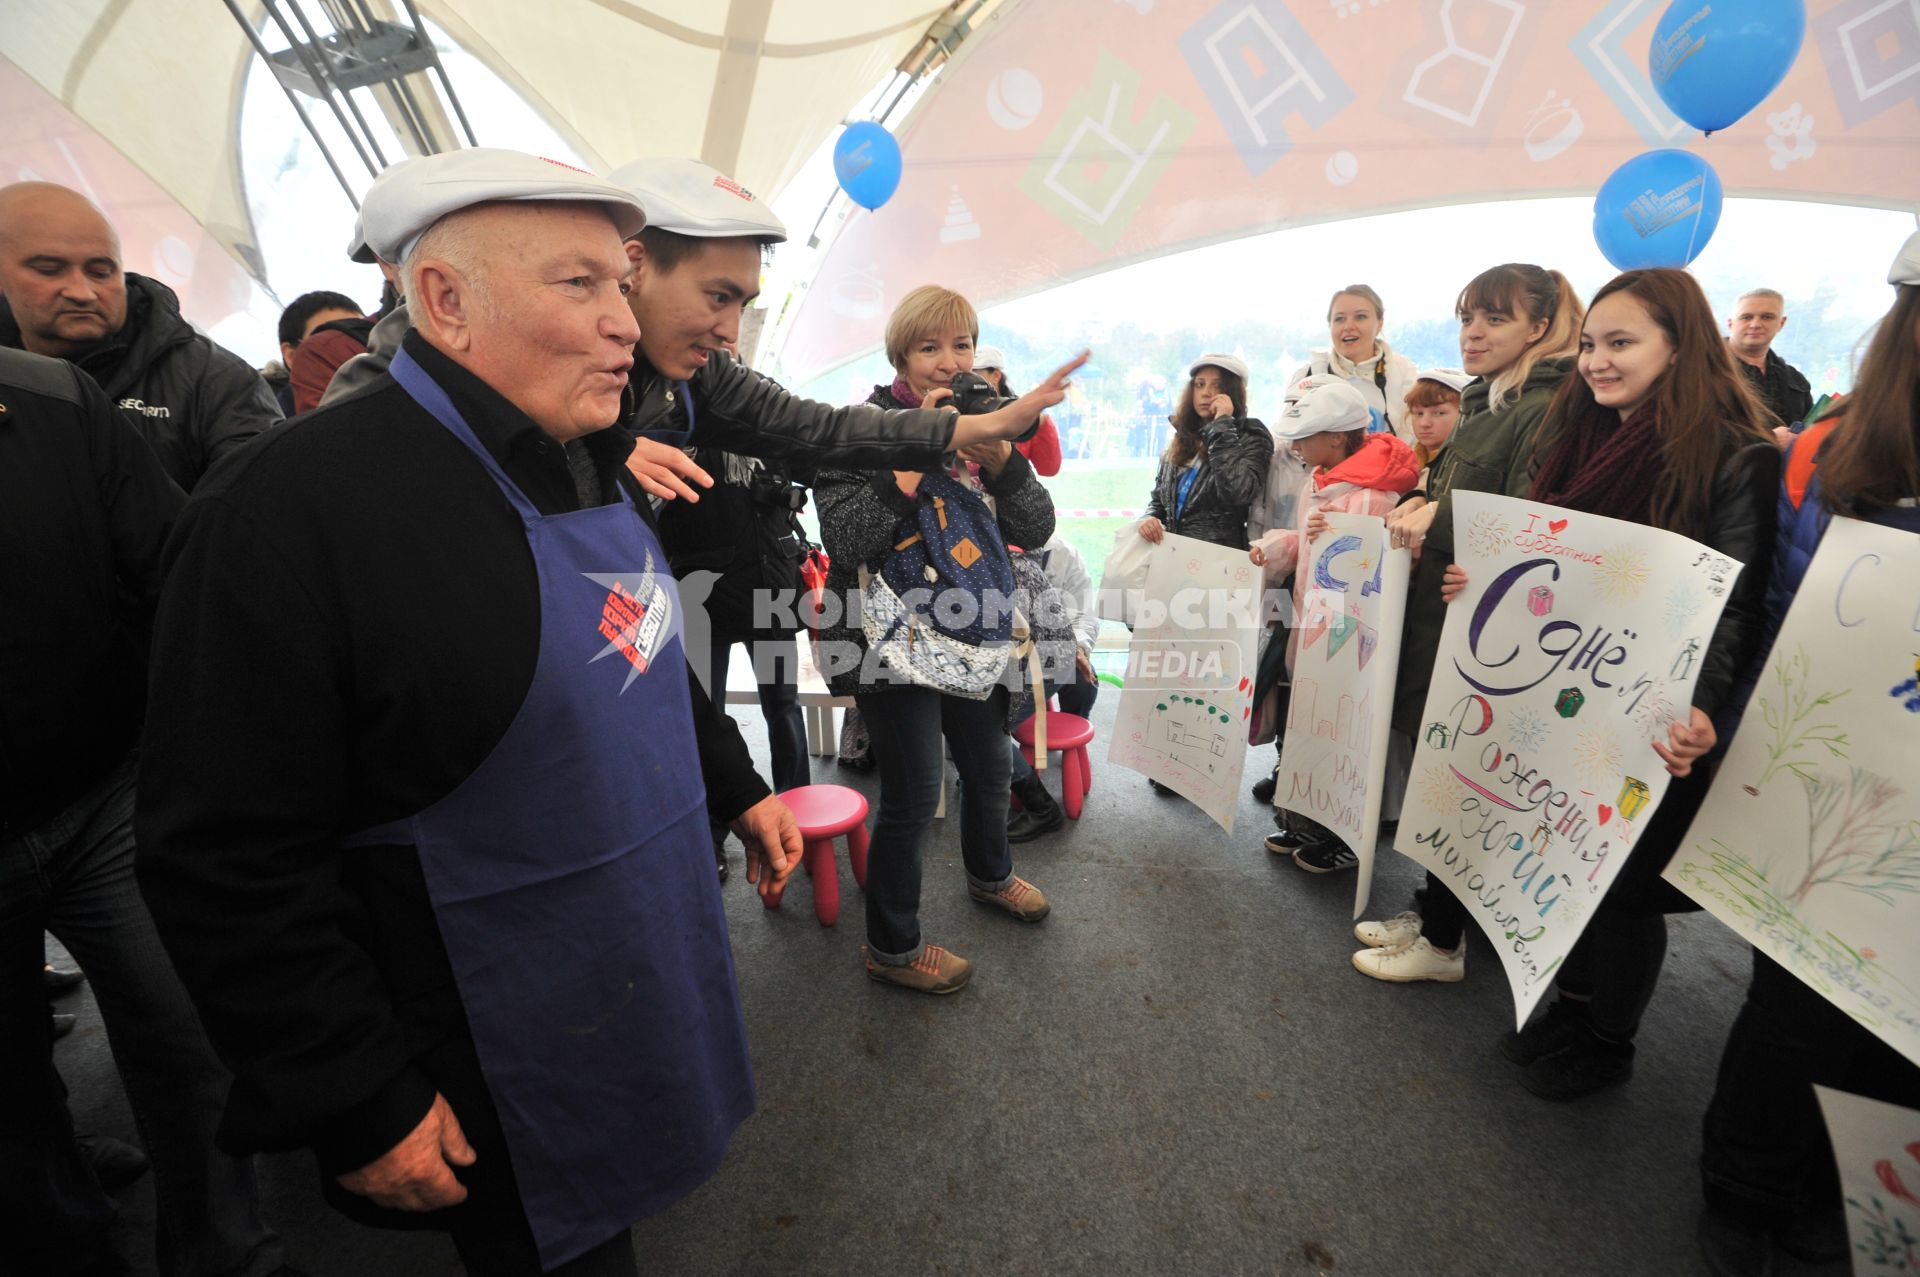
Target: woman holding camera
pixel 863 519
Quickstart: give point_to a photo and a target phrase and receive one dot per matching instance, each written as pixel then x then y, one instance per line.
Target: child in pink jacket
pixel 1354 472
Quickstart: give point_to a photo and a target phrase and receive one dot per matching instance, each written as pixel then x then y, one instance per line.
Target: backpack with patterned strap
pixel 939 612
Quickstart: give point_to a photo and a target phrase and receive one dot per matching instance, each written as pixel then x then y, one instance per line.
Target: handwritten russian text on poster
pixel 1189 684
pixel 1333 759
pixel 1575 644
pixel 1877 1147
pixel 1809 843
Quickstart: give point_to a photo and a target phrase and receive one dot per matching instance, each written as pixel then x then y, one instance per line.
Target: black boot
pixel 1041 815
pixel 1263 789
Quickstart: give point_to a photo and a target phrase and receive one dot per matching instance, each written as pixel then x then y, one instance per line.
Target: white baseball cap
pixel 1452 378
pixel 357 249
pixel 1325 403
pixel 989 357
pixel 412 195
pixel 1906 267
pixel 1231 363
pixel 690 198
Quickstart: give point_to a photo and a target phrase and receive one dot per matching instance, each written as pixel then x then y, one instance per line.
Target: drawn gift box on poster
pixel 1569 701
pixel 1540 600
pixel 1634 798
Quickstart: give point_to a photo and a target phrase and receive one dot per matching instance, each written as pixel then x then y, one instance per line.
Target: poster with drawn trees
pixel 1188 692
pixel 1876 1146
pixel 1808 844
pixel 1333 758
pixel 1575 644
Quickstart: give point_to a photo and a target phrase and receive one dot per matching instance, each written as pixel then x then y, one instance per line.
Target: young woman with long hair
pixel 1766 1168
pixel 1659 428
pixel 1215 466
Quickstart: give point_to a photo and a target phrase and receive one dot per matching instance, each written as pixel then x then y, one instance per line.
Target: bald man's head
pixel 59 269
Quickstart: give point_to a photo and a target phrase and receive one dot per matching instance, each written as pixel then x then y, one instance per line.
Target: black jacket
pixel 84 511
pixel 192 401
pixel 350 623
pixel 1781 388
pixel 744 529
pixel 1232 477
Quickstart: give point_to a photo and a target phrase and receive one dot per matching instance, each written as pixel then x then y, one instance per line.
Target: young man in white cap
pixel 423 822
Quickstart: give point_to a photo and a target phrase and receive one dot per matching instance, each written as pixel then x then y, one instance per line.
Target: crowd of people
pixel 326 742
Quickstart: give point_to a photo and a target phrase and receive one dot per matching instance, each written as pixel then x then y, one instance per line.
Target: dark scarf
pixel 902 392
pixel 1601 467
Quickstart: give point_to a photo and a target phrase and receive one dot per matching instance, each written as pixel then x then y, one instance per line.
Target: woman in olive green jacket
pixel 1519 330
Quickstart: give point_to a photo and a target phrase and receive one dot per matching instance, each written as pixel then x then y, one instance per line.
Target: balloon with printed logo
pixel 866 160
pixel 1712 62
pixel 1657 209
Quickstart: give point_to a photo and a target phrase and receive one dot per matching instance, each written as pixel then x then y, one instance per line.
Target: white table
pixel 823 738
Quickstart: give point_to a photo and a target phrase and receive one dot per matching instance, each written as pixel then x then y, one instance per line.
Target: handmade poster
pixel 1877 1146
pixel 1188 688
pixel 1808 844
pixel 1333 758
pixel 1575 644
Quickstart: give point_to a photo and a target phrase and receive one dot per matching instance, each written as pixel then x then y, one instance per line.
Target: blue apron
pixel 572 879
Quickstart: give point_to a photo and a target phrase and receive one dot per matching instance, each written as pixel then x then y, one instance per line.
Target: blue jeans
pixel 776 668
pixel 73 876
pixel 1076 699
pixel 907 725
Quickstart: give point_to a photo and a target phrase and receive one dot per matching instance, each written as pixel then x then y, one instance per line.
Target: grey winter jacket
pixel 192 400
pixel 734 408
pixel 859 514
pixel 1234 475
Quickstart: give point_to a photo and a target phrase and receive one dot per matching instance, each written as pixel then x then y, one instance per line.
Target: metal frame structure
pixel 358 48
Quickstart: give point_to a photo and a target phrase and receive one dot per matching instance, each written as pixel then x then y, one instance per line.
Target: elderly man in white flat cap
pixel 425 826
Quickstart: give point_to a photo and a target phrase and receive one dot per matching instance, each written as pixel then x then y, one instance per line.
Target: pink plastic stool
pixel 824 812
pixel 1069 735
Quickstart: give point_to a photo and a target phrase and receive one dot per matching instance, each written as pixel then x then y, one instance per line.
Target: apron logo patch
pixel 635 620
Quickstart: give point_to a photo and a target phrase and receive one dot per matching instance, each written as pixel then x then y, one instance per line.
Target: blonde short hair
pixel 927 310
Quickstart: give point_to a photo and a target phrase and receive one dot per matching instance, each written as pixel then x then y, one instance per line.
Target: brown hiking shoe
pixel 934 971
pixel 1020 898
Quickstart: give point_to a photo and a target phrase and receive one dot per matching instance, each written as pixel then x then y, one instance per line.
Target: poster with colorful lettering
pixel 1877 1148
pixel 1189 683
pixel 1575 644
pixel 1808 845
pixel 1333 758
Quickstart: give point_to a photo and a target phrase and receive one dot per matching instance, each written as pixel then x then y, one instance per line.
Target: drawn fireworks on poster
pixel 1621 573
pixel 1489 534
pixel 1655 710
pixel 1597 754
pixel 1437 788
pixel 1528 729
pixel 1683 602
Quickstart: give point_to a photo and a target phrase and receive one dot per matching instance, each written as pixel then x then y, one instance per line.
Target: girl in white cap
pixel 1765 1166
pixel 1352 472
pixel 1215 467
pixel 1360 356
pixel 1433 410
pixel 1043 450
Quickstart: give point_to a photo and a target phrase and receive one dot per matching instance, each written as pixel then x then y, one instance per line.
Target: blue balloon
pixel 1657 209
pixel 1712 62
pixel 866 160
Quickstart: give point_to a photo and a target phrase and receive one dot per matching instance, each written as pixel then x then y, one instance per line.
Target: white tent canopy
pixel 752 86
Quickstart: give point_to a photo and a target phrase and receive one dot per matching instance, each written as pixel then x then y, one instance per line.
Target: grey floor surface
pixel 1178 1072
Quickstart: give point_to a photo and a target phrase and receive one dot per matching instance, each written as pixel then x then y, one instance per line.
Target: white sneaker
pixel 1396 932
pixel 1416 961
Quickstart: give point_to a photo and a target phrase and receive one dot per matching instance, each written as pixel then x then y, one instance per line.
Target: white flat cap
pixel 1325 403
pixel 1232 363
pixel 414 194
pixel 1906 267
pixel 989 357
pixel 1452 378
pixel 690 198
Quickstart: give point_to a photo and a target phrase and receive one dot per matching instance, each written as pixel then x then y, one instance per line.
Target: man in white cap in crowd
pixel 422 817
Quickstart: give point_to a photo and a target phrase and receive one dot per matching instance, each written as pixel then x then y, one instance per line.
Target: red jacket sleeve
pixel 1043 450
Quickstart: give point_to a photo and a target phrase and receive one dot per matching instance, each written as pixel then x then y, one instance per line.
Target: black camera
pixel 777 492
pixel 974 395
